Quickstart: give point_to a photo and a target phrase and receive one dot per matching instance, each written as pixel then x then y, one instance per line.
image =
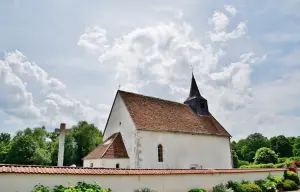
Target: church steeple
pixel 194 91
pixel 195 100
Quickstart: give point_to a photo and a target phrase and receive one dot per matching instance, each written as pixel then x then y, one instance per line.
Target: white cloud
pixel 161 55
pixel 30 94
pixel 230 9
pixel 151 53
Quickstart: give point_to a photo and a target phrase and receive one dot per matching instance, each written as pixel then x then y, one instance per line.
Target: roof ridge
pixel 152 97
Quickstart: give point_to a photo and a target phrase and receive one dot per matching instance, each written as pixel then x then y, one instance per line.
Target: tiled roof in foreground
pixel 23 169
pixel 112 147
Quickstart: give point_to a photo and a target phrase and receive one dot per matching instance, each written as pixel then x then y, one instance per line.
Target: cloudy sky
pixel 63 60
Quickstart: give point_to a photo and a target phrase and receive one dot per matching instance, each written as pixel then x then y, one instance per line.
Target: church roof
pixel 112 147
pixel 154 114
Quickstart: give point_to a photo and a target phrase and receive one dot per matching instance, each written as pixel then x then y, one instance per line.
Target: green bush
pixel 277 180
pixel 280 165
pixel 269 184
pixel 259 166
pixel 289 185
pixel 144 190
pixel 282 160
pixel 233 185
pixel 265 155
pixel 294 158
pixel 242 163
pixel 290 175
pixel 197 190
pixel 219 188
pixel 80 187
pixel 41 188
pixel 249 187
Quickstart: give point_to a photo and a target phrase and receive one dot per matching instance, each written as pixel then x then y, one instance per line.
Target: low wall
pixel 17 180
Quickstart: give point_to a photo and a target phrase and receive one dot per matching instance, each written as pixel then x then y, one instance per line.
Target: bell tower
pixel 197 103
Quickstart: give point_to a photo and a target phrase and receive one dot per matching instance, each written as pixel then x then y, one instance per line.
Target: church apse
pixel 195 100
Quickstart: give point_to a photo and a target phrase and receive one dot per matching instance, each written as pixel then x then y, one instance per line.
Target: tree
pixel 41 157
pixel 248 147
pixel 265 155
pixel 4 146
pixel 296 150
pixel 22 150
pixel 5 138
pixel 282 146
pixel 235 159
pixel 87 137
pixel 70 155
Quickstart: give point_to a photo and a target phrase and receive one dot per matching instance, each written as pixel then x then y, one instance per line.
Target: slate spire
pixel 195 100
pixel 194 91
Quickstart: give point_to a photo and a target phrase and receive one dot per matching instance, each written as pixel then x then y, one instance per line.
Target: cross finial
pixel 192 68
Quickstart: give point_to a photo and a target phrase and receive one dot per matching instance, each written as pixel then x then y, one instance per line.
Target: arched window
pixel 117 165
pixel 160 153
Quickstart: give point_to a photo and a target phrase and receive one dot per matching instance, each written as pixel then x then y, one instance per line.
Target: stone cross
pixel 61 148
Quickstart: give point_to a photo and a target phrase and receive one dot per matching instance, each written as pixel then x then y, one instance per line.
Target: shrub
pixel 81 186
pixel 294 158
pixel 144 190
pixel 280 165
pixel 41 188
pixel 291 176
pixel 265 155
pixel 261 184
pixel 233 185
pixel 242 163
pixel 282 160
pixel 270 186
pixel 289 185
pixel 251 166
pixel 277 180
pixel 197 190
pixel 267 185
pixel 250 187
pixel 219 188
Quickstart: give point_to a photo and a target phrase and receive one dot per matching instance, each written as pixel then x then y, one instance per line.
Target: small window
pixel 160 153
pixel 117 165
pixel 120 123
pixel 91 165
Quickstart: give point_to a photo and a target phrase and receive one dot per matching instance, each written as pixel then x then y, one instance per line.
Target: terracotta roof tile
pixel 112 147
pixel 26 169
pixel 154 114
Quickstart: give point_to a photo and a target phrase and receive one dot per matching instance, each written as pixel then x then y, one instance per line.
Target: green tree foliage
pixel 22 150
pixel 282 146
pixel 87 137
pixel 5 140
pixel 70 155
pixel 265 155
pixel 248 147
pixel 235 159
pixel 40 147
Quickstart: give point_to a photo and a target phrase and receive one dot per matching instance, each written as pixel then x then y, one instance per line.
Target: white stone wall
pixel 108 163
pixel 127 183
pixel 127 128
pixel 180 151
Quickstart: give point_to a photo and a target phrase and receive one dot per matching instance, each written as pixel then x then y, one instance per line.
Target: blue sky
pixel 63 60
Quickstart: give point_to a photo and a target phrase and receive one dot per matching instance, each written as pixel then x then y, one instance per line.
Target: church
pixel 144 132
